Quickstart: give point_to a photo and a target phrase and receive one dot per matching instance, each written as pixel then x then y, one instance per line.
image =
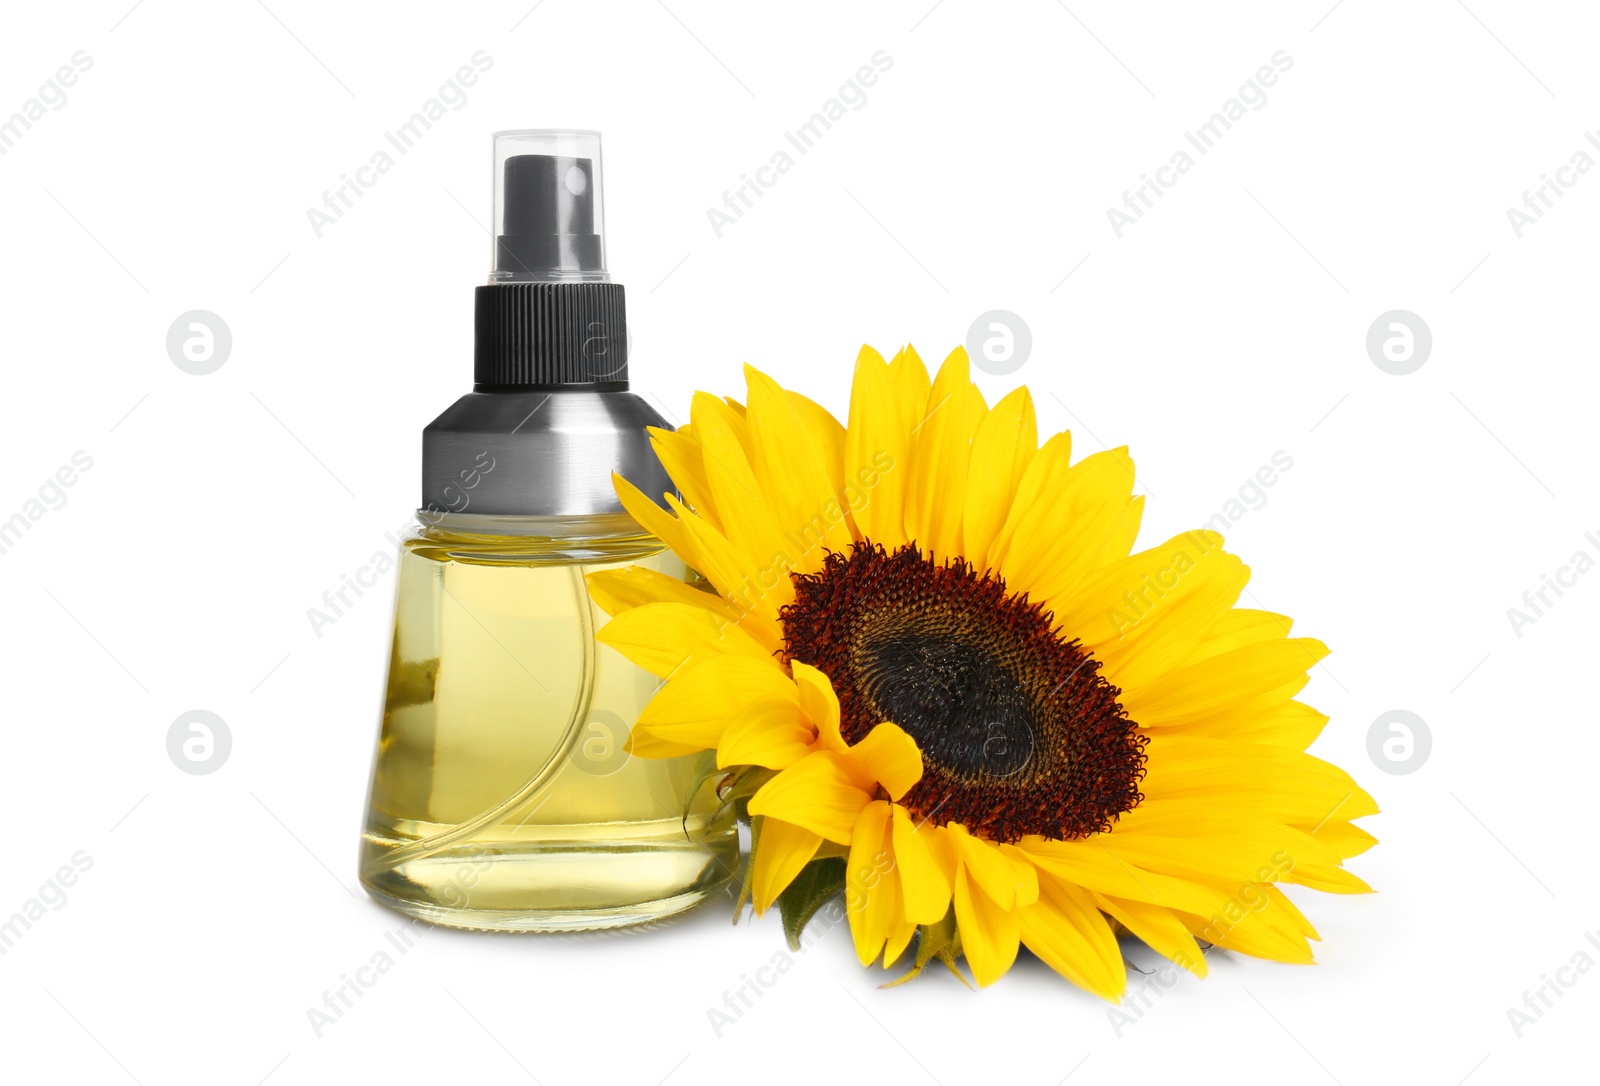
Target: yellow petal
pixel 1004 444
pixel 1110 602
pixel 662 637
pixel 1026 875
pixel 1159 929
pixel 1163 620
pixel 746 515
pixel 1068 933
pixel 985 864
pixel 679 452
pixel 1275 782
pixel 989 932
pixel 1237 916
pixel 1194 837
pixel 900 933
pixel 910 380
pixel 617 590
pixel 1345 839
pixel 700 701
pixel 1328 878
pixel 1243 857
pixel 1036 490
pixel 770 733
pixel 1245 626
pixel 820 705
pixel 941 457
pixel 1281 901
pixel 643 743
pixel 891 758
pixel 782 851
pixel 924 880
pixel 654 519
pixel 886 755
pixel 794 474
pixel 871 892
pixel 817 793
pixel 758 595
pixel 1091 863
pixel 1195 692
pixel 1056 544
pixel 1291 724
pixel 1255 920
pixel 876 458
pixel 823 433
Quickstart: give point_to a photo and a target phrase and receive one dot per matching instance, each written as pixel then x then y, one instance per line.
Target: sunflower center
pixel 1019 732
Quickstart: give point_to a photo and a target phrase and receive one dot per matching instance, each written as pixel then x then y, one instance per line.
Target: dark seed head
pixel 1019 732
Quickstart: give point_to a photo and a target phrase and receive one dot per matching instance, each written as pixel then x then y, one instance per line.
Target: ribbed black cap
pixel 542 335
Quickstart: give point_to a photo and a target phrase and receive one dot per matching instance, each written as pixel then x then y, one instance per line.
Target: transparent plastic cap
pixel 549 221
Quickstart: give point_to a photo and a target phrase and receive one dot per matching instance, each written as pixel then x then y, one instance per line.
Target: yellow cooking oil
pixel 503 795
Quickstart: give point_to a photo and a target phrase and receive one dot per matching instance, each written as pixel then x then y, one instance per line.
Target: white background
pixel 1226 325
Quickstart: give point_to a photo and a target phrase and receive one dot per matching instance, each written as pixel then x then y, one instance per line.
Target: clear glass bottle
pixel 503 796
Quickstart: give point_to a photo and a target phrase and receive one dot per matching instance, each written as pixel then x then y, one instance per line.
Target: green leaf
pixel 704 766
pixel 817 884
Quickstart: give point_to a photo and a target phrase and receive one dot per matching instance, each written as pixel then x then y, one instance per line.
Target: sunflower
pixel 937 677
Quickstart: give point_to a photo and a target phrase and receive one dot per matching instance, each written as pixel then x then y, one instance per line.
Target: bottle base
pixel 526 923
pixel 521 886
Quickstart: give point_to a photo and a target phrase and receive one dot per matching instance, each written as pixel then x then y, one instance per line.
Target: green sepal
pixel 740 784
pixel 735 790
pixel 746 876
pixel 942 941
pixel 705 764
pixel 818 883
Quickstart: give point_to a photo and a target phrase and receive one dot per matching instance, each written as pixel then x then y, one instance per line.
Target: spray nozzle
pixel 548 213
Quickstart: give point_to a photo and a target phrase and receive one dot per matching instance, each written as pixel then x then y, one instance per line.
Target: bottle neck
pixel 593 526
